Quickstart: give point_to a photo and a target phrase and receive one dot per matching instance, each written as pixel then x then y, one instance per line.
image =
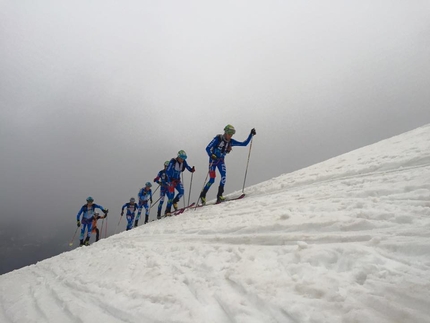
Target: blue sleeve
pixel 99 207
pixel 187 166
pixel 211 145
pixel 125 205
pixel 78 216
pixel 169 170
pixel 241 143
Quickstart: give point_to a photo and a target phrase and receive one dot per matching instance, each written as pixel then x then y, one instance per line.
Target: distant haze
pixel 95 96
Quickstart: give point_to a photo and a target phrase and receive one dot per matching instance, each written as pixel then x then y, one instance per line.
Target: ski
pixel 182 210
pixel 179 211
pixel 241 196
pixel 227 199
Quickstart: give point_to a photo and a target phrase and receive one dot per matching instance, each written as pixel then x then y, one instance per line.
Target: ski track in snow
pixel 343 241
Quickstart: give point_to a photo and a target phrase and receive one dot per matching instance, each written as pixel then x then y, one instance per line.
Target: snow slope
pixel 346 240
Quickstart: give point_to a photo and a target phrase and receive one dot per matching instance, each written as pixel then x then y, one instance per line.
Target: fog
pixel 95 96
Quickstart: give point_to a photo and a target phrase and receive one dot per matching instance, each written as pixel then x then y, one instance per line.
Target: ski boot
pixel 219 197
pixel 203 196
pixel 175 203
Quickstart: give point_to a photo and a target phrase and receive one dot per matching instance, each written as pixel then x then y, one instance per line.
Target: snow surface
pixel 346 240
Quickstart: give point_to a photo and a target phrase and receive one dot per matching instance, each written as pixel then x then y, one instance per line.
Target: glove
pixel 214 157
pixel 105 211
pixel 122 213
pixel 151 200
pixel 155 181
pixel 253 132
pixel 78 223
pixel 193 169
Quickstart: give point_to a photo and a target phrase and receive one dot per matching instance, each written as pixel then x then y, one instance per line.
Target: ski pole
pixel 182 175
pixel 191 185
pixel 156 188
pixel 247 163
pixel 152 204
pixel 120 218
pixel 74 235
pixel 106 225
pixel 101 230
pixel 204 183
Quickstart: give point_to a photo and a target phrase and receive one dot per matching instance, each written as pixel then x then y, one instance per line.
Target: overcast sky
pixel 96 95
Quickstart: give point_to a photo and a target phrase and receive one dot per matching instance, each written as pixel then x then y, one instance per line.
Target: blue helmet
pixel 148 184
pixel 182 154
pixel 166 163
pixel 90 199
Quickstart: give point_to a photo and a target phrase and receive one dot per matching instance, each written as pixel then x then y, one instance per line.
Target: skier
pixel 94 225
pixel 174 169
pixel 161 179
pixel 217 149
pixel 131 209
pixel 144 195
pixel 87 212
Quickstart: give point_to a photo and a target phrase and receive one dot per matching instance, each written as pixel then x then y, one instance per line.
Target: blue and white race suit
pixel 173 172
pixel 144 196
pixel 162 180
pixel 87 218
pixel 220 147
pixel 131 209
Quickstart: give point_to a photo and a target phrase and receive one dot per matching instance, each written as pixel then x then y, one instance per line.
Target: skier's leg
pixel 146 213
pixel 81 237
pixel 170 194
pixel 160 204
pixel 223 172
pixel 139 209
pixel 89 229
pixel 129 223
pixel 212 176
pixel 180 188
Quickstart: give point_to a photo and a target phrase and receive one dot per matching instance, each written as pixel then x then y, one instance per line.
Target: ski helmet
pixel 132 200
pixel 148 184
pixel 90 199
pixel 166 163
pixel 229 129
pixel 182 154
